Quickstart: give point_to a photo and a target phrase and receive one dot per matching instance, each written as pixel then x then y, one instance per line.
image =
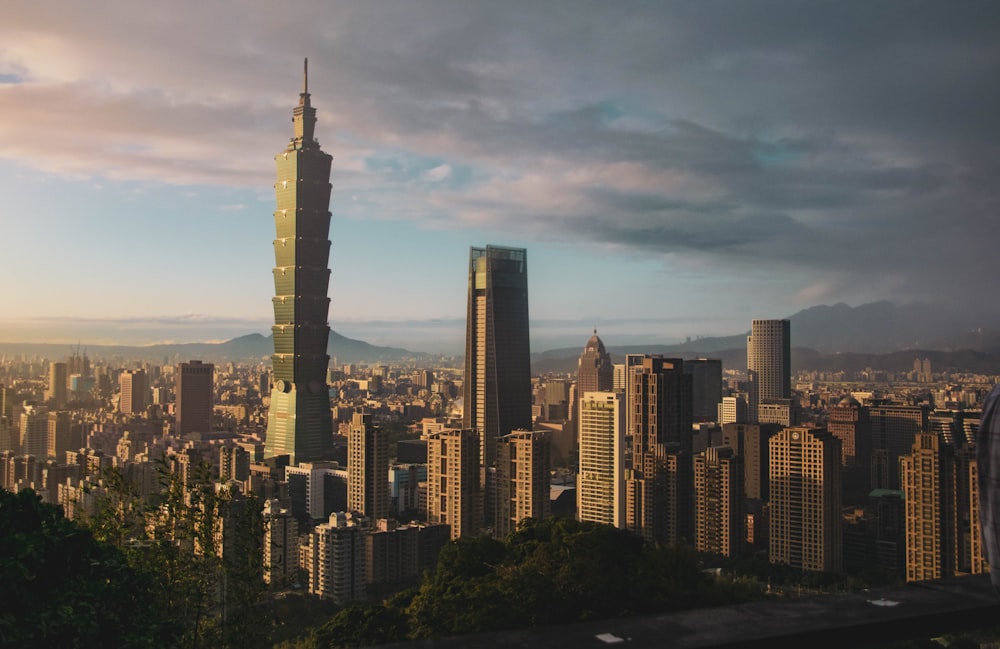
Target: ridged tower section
pixel 298 420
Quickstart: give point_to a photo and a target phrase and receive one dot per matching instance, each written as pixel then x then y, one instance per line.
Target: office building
pixel 894 429
pixel 316 490
pixel 769 362
pixel 454 496
pixel 733 410
pixel 600 483
pixel 659 494
pixel 194 387
pixel 55 393
pixel 367 468
pixel 595 372
pixel 805 517
pixel 522 487
pixel 334 559
pixel 750 441
pixel 929 485
pixel 497 387
pixel 281 545
pixel 299 421
pixel 706 387
pixel 720 516
pixel 35 431
pixel 61 435
pixel 133 388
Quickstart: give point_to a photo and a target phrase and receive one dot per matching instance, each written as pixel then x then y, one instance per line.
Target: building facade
pixel 720 516
pixel 367 468
pixel 805 517
pixel 454 496
pixel 522 479
pixel 299 422
pixel 194 387
pixel 930 488
pixel 600 483
pixel 497 387
pixel 769 362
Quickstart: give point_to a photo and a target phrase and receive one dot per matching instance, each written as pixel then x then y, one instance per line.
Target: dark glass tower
pixel 298 421
pixel 497 388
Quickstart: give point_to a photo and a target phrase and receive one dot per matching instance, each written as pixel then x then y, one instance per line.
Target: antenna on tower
pixel 305 76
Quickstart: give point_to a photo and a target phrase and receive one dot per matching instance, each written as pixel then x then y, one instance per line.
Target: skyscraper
pixel 928 477
pixel 805 500
pixel 453 492
pixel 769 362
pixel 600 484
pixel 56 392
pixel 522 479
pixel 299 422
pixel 195 390
pixel 134 387
pixel 595 372
pixel 706 387
pixel 367 468
pixel 719 517
pixel 659 496
pixel 497 388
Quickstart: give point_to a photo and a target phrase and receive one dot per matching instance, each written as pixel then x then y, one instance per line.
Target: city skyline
pixel 723 163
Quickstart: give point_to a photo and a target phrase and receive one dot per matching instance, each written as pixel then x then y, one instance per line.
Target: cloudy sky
pixel 673 168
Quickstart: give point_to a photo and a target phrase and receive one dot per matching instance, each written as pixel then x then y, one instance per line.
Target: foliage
pixel 547 572
pixel 63 588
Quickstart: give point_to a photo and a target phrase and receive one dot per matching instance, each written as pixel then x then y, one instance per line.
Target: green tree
pixel 63 588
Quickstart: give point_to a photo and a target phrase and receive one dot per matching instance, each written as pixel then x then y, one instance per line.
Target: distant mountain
pixel 251 346
pixel 868 335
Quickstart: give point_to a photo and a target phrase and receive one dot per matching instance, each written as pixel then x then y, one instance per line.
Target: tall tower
pixel 719 503
pixel 133 387
pixel 367 468
pixel 497 389
pixel 595 372
pixel 805 500
pixel 769 362
pixel 453 493
pixel 522 479
pixel 659 494
pixel 299 423
pixel 195 390
pixel 600 485
pixel 56 392
pixel 928 477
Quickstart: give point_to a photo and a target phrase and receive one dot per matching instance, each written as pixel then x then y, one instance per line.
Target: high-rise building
pixel 335 559
pixel 281 545
pixel 706 387
pixel 35 431
pixel 720 517
pixel 750 441
pixel 733 410
pixel 56 390
pixel 894 429
pixel 453 481
pixel 522 479
pixel 929 486
pixel 595 372
pixel 195 390
pixel 659 495
pixel 497 388
pixel 769 362
pixel 367 468
pixel 133 387
pixel 299 422
pixel 805 517
pixel 61 435
pixel 600 484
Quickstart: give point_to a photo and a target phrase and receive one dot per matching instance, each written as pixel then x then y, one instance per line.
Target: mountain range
pixel 879 334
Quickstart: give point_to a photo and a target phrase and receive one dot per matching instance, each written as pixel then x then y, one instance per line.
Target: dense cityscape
pixel 301 476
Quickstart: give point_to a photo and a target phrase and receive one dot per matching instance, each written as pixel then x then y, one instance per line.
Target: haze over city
pixel 673 169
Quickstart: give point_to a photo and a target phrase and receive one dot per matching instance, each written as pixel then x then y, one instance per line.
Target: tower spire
pixel 305 77
pixel 304 115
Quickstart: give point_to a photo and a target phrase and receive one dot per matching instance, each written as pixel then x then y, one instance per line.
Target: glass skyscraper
pixel 497 388
pixel 298 421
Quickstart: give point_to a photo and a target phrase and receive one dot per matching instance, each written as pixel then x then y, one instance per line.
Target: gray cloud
pixel 854 144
